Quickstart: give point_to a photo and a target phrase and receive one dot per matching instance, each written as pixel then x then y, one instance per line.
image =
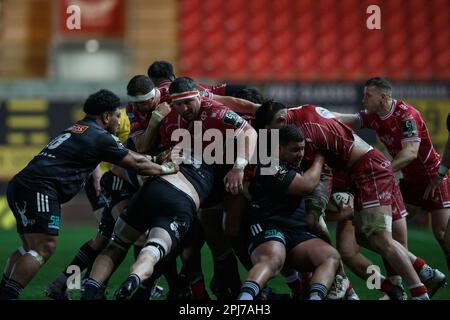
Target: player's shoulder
pixel 213 109
pixel 405 111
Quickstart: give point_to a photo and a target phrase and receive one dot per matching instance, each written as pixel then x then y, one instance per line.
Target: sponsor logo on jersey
pixel 324 113
pixel 78 128
pixel 233 119
pixel 409 128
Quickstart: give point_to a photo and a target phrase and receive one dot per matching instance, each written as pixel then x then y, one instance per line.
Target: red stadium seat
pixel 308 40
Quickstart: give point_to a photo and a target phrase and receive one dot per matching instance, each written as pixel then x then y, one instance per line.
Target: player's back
pixel 66 161
pixel 323 133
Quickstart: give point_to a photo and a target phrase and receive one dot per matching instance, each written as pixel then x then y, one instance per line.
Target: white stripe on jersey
pixel 38 198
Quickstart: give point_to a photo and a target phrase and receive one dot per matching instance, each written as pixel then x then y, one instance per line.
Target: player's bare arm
pixel 144 141
pixel 409 152
pixel 352 120
pixel 238 105
pixel 145 167
pixel 304 184
pixel 233 179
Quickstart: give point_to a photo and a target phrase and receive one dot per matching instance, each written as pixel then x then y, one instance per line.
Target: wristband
pixel 442 170
pixel 157 116
pixel 240 163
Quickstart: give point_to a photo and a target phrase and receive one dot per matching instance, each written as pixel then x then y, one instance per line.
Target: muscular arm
pixel 145 140
pixel 304 184
pixel 246 146
pixel 352 120
pixel 238 105
pixel 97 175
pixel 144 166
pixel 409 152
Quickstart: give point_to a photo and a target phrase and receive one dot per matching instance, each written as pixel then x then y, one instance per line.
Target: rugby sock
pixel 419 290
pixel 11 290
pixel 226 267
pixel 249 290
pixel 424 271
pixel 135 280
pixel 418 264
pixel 198 289
pixel 386 285
pixel 92 290
pixel 396 280
pixel 3 282
pixel 83 259
pixel 318 291
pixel 171 274
pixel 295 284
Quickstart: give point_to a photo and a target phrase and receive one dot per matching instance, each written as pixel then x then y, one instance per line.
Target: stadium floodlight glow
pixel 92 46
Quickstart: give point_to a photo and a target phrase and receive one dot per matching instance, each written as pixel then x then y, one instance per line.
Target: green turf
pixel 421 242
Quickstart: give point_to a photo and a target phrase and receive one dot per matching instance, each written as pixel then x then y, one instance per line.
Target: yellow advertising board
pixel 435 113
pixel 15 158
pixel 7 220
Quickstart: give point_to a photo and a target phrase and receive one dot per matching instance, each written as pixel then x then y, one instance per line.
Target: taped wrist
pixel 240 163
pixel 155 119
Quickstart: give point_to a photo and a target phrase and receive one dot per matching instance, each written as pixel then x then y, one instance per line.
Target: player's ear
pixel 105 117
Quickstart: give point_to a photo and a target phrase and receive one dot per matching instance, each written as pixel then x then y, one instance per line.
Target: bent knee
pixel 334 256
pixel 46 249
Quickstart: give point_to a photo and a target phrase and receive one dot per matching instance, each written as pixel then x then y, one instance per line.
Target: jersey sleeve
pixel 111 149
pixel 409 126
pixel 228 119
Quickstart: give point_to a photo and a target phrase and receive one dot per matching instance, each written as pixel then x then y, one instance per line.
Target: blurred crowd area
pixel 54 53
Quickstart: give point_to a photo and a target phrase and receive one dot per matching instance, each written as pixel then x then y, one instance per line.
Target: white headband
pixel 143 97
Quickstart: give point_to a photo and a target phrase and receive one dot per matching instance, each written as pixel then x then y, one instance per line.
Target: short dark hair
pixel 250 94
pixel 290 133
pixel 160 70
pixel 139 84
pixel 101 101
pixel 380 83
pixel 265 113
pixel 182 84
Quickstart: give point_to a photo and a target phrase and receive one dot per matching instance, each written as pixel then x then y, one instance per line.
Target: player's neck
pixel 387 108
